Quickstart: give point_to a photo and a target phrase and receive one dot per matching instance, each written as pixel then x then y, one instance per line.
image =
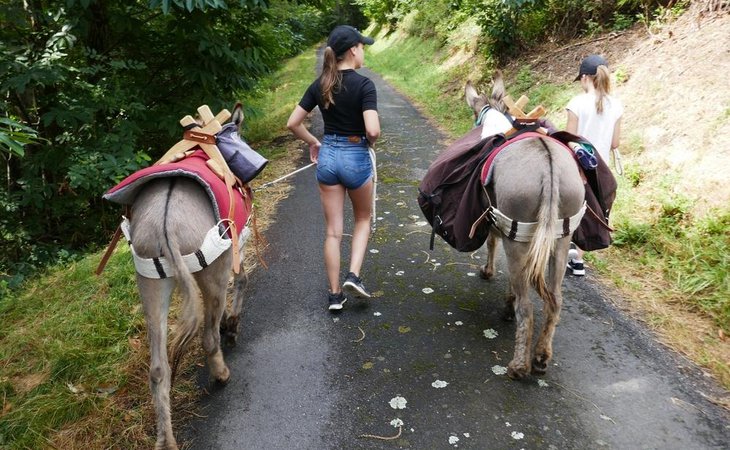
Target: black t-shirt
pixel 356 94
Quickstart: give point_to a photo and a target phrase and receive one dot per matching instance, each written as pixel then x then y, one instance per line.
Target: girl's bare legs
pixel 362 204
pixel 333 203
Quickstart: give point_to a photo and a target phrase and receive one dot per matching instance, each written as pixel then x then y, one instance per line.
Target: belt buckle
pixel 354 139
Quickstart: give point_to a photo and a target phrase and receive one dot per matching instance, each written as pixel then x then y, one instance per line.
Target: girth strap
pixel 524 231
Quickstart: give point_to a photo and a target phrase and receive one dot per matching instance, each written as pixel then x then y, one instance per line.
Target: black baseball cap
pixel 589 65
pixel 344 37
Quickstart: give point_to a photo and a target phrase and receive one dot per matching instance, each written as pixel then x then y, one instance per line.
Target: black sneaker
pixel 336 301
pixel 576 267
pixel 353 286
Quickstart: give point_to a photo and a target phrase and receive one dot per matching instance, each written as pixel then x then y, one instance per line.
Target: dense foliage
pixel 91 90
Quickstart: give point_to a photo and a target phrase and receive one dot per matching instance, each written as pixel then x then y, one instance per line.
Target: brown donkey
pixel 170 217
pixel 535 182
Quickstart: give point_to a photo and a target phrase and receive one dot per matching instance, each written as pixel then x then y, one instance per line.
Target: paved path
pixel 305 379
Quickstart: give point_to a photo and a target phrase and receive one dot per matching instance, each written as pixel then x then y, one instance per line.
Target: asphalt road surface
pixel 428 350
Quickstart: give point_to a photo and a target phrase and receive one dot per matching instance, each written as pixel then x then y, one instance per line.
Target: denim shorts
pixel 342 161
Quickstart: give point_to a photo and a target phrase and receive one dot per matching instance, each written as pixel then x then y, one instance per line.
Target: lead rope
pixel 375 186
pixel 265 185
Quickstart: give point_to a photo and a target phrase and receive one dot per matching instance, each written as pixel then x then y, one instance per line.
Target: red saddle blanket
pixel 194 167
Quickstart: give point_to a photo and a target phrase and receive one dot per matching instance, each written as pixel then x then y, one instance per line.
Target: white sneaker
pixel 577 267
pixel 573 254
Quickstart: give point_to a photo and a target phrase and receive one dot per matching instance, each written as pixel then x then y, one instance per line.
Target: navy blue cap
pixel 344 37
pixel 589 65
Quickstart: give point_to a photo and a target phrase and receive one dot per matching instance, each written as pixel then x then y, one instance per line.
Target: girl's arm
pixel 572 125
pixel 615 140
pixel 296 126
pixel 372 125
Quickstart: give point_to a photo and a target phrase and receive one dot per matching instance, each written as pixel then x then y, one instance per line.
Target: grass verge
pixel 73 351
pixel 669 266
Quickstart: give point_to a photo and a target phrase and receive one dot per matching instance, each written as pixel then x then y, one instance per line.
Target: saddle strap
pixel 112 246
pixel 109 250
pixel 487 214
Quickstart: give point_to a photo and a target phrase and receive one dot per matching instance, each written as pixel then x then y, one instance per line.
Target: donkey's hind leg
pixel 231 319
pixel 213 281
pixel 551 312
pixel 155 296
pixel 519 367
pixel 487 270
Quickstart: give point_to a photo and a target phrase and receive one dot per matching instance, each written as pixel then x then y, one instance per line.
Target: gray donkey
pixel 535 182
pixel 170 218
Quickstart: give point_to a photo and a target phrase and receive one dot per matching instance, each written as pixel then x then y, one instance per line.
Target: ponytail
pixel 602 84
pixel 331 78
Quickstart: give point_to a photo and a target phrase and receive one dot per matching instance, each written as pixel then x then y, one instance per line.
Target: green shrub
pixel 630 234
pixel 104 87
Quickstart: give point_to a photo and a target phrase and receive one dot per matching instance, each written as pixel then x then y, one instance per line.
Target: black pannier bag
pixel 450 195
pixel 594 232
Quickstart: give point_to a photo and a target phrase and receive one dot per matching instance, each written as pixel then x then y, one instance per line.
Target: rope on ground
pixel 428 256
pixel 473 266
pixel 383 438
pixel 418 231
pixel 362 337
pixel 582 398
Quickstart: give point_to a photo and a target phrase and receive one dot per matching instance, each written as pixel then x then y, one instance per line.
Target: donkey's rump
pixel 519 172
pixel 170 209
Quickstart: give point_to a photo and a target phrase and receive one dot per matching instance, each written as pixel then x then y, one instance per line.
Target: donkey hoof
pixel 508 315
pixel 166 444
pixel 485 274
pixel 517 373
pixel 224 377
pixel 229 339
pixel 539 367
pixel 229 330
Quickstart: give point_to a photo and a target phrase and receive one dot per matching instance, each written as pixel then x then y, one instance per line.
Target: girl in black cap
pixel 348 103
pixel 596 116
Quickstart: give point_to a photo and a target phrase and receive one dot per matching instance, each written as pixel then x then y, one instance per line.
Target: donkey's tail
pixel 543 242
pixel 188 323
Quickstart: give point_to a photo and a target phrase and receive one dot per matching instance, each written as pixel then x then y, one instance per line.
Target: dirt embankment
pixel 673 82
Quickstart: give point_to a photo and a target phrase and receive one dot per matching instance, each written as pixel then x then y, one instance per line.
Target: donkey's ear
pixel 237 116
pixel 498 91
pixel 471 94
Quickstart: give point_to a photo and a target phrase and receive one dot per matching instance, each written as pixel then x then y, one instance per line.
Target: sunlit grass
pixel 269 107
pixel 407 63
pixel 65 348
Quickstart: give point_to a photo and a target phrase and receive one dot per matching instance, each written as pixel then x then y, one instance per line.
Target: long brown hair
pixel 602 84
pixel 331 78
